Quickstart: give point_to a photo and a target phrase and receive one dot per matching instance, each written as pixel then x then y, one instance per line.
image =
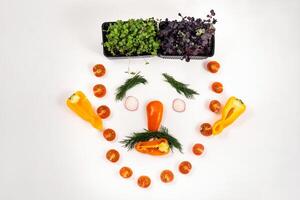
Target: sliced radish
pixel 131 103
pixel 178 105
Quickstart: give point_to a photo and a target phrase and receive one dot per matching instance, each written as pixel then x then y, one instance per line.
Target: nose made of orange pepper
pixel 154 115
pixel 155 146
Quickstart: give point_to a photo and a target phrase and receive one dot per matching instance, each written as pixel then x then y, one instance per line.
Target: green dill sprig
pixel 129 83
pixel 180 87
pixel 132 140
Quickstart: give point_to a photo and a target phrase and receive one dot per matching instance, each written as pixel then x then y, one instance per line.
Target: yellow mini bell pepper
pixel 79 104
pixel 233 108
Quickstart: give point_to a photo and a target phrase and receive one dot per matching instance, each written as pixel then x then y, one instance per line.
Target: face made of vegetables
pixel 155 140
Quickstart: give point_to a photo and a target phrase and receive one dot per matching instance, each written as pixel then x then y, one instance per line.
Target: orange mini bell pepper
pixel 154 114
pixel 233 108
pixel 155 147
pixel 79 104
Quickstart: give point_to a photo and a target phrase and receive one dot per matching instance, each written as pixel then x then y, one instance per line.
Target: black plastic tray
pixel 106 53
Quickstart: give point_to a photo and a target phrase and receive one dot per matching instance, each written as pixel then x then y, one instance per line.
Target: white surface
pixel 47 50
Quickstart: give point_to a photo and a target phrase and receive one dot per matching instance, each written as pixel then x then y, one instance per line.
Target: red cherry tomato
pixel 109 134
pixel 113 155
pixel 206 129
pixel 166 176
pixel 213 66
pixel 103 111
pixel 99 70
pixel 99 90
pixel 215 106
pixel 144 181
pixel 217 87
pixel 125 172
pixel 198 149
pixel 185 167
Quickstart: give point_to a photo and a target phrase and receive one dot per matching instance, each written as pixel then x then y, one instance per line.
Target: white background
pixel 47 50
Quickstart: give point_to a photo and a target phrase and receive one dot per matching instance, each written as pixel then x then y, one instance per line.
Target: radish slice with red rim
pixel 131 103
pixel 178 105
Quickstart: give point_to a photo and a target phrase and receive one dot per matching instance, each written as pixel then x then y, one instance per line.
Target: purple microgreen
pixel 187 37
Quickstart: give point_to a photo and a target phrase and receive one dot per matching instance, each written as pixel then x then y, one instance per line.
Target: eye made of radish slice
pixel 178 105
pixel 131 103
